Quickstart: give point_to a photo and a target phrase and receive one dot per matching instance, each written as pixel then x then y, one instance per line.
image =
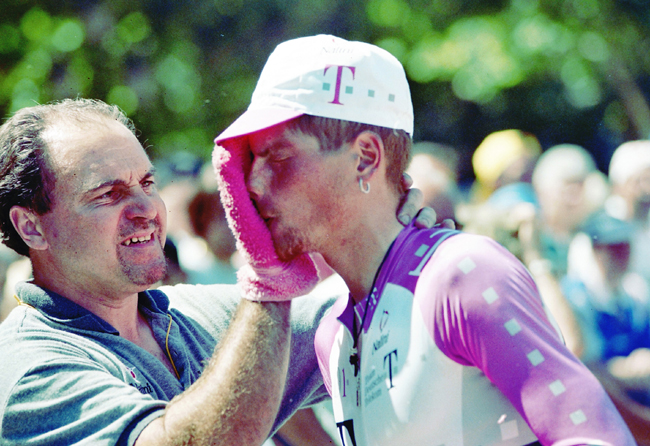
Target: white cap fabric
pixel 329 77
pixel 629 159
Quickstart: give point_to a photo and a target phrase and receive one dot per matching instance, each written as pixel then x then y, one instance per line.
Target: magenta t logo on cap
pixel 339 74
pixel 329 77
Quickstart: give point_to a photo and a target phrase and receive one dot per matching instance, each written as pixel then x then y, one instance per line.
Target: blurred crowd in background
pixel 583 234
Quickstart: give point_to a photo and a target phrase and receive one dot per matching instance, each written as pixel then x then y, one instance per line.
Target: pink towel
pixel 265 277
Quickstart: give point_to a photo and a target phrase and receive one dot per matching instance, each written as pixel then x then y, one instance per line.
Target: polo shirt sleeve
pixel 483 309
pixel 64 393
pixel 304 385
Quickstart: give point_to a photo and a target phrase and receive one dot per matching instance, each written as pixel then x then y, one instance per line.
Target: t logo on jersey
pixel 389 357
pixel 339 76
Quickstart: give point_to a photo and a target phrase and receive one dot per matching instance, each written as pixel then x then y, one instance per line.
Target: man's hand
pixel 411 206
pixel 632 370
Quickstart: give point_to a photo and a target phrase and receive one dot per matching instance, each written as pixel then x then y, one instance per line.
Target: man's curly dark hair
pixel 25 177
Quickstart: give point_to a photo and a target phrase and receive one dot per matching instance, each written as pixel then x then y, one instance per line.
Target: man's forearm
pixel 236 400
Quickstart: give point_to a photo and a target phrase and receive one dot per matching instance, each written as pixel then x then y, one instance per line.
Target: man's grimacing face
pixel 300 191
pixel 106 228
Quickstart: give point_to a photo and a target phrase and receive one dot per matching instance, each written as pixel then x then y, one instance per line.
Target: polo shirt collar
pixel 61 310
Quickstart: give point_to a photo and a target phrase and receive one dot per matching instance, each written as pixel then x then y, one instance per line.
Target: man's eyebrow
pixel 278 144
pixel 150 173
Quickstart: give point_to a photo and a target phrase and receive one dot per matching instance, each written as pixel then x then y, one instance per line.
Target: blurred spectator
pixel 503 157
pixel 629 174
pixel 433 168
pixel 445 157
pixel 611 302
pixel 213 259
pixel 501 216
pixel 569 188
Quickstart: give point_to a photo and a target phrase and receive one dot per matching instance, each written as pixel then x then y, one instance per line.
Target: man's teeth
pixel 138 240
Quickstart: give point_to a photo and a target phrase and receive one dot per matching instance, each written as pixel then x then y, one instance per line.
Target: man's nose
pixel 142 205
pixel 255 179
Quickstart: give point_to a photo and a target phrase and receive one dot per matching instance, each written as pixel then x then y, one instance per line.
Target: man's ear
pixel 370 148
pixel 28 226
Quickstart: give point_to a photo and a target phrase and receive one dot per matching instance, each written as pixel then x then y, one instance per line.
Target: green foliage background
pixel 567 71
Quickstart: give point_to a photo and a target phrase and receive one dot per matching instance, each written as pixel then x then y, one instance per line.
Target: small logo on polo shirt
pixel 132 372
pixel 146 389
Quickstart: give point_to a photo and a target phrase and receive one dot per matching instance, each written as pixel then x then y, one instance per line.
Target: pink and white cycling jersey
pixel 456 349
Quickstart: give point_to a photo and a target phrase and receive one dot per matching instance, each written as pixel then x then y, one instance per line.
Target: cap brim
pixel 257 119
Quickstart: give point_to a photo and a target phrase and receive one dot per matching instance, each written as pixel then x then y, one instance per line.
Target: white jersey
pixel 444 359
